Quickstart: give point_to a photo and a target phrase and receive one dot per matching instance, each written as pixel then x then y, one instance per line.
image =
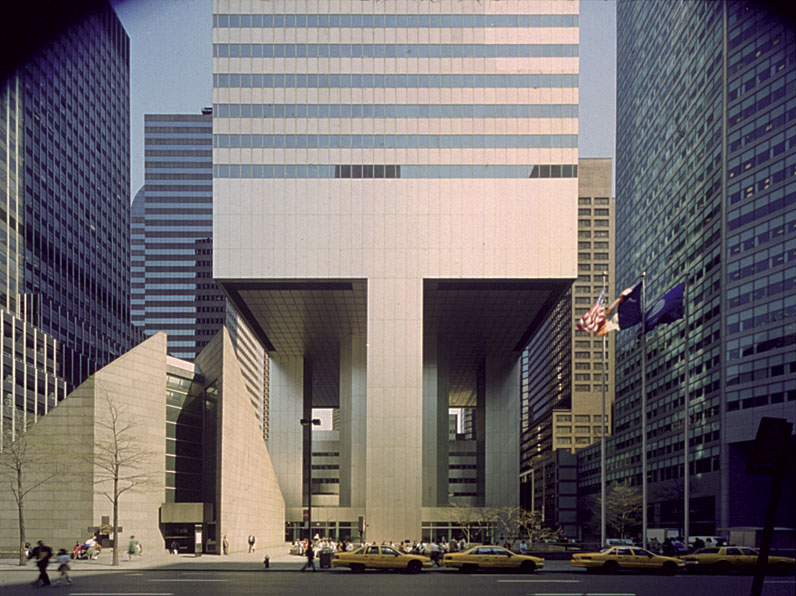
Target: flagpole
pixel 602 450
pixel 643 411
pixel 686 513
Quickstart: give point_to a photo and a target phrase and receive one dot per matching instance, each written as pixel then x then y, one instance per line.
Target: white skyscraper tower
pixel 395 188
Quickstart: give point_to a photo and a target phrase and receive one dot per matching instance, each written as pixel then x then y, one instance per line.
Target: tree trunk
pixel 21 512
pixel 116 520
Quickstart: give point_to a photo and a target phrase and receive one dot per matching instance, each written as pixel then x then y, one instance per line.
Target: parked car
pixel 380 557
pixel 491 557
pixel 724 559
pixel 616 558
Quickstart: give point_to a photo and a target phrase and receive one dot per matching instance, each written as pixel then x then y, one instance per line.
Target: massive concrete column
pixel 394 416
pixel 353 411
pixel 502 437
pixel 286 408
pixel 436 394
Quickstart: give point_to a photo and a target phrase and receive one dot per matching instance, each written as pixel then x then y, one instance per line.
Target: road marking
pixel 539 581
pixel 188 580
pixel 121 593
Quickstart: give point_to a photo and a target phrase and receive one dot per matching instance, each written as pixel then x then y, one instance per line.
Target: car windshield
pixel 643 553
pixel 386 550
pixel 359 551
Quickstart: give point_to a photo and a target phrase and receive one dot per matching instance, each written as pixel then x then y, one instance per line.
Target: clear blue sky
pixel 171 52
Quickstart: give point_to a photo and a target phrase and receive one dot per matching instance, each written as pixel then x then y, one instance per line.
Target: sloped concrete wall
pixel 62 445
pixel 249 498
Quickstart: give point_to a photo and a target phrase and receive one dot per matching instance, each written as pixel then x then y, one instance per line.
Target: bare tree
pixel 122 464
pixel 24 469
pixel 530 524
pixel 507 521
pixel 467 517
pixel 623 507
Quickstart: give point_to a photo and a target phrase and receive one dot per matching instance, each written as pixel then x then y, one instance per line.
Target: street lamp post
pixel 309 423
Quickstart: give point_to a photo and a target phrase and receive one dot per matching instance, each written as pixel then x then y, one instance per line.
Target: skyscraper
pixel 705 176
pixel 173 289
pixel 64 192
pixel 394 214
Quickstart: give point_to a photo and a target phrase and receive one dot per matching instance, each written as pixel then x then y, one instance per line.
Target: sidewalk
pixel 280 559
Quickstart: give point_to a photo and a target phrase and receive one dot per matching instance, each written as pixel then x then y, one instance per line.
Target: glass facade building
pixel 64 212
pixel 706 158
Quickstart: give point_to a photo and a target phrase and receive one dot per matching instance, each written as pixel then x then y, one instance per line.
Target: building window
pixel 584 200
pixel 601 200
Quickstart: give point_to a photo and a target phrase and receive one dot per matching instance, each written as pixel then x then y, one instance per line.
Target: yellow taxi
pixel 723 559
pixel 615 558
pixel 380 557
pixel 491 557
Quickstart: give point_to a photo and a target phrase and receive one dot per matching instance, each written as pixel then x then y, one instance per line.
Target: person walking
pixel 63 566
pixel 251 543
pixel 310 558
pixel 42 554
pixel 132 548
pixel 225 545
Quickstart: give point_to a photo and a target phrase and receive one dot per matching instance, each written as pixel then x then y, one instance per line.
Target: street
pixel 558 581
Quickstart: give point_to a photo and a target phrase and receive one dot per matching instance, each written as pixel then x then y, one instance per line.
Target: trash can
pixel 326 559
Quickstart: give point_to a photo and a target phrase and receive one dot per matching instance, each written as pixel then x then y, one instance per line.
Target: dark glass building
pixel 173 288
pixel 64 207
pixel 706 175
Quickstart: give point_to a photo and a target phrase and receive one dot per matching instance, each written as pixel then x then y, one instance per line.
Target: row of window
pixel 760 342
pixel 762 368
pixel 763 314
pixel 348 110
pixel 394 171
pixel 394 50
pixel 762 126
pixel 395 81
pixel 435 141
pixel 763 260
pixel 762 395
pixel 393 21
pixel 762 180
pixel 763 233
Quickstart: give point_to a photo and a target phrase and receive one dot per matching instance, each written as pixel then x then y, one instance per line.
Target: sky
pixel 171 62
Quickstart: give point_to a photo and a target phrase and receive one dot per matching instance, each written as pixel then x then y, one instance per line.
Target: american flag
pixel 594 319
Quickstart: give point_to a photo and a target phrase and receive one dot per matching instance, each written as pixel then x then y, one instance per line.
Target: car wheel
pixel 610 567
pixel 722 567
pixel 527 567
pixel 669 568
pixel 357 567
pixel 414 566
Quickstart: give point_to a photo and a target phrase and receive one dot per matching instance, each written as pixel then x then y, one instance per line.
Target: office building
pixel 193 454
pixel 394 215
pixel 64 214
pixel 705 175
pixel 562 367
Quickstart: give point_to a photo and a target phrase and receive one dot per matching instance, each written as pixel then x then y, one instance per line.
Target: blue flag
pixel 667 309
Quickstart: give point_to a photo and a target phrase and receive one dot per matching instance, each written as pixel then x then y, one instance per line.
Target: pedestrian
pixel 132 548
pixel 310 558
pixel 434 549
pixel 523 548
pixel 251 543
pixel 174 548
pixel 140 552
pixel 42 554
pixel 225 544
pixel 63 566
pixel 76 549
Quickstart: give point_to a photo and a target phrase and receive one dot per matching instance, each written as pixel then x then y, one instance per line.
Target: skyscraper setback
pixel 64 193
